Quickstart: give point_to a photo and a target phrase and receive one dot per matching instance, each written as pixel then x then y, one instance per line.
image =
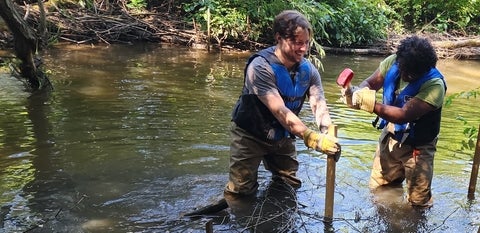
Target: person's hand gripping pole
pixel 321 142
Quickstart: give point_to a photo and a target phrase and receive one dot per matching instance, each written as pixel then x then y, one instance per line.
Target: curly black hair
pixel 287 22
pixel 416 56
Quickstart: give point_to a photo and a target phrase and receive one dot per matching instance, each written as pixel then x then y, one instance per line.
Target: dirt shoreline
pixel 446 46
pixel 87 28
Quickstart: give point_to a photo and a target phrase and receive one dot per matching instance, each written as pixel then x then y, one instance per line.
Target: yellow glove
pixel 364 99
pixel 324 143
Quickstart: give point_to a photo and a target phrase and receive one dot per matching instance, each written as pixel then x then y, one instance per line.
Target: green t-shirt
pixel 432 91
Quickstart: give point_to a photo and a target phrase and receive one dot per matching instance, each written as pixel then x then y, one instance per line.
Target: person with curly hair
pixel 409 116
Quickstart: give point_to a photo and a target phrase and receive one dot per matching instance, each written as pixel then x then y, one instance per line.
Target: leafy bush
pixel 335 22
pixel 345 22
pixel 231 19
pixel 358 22
pixel 443 16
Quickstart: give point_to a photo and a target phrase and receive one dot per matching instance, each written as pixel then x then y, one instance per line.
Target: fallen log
pixel 473 42
pixel 359 51
pixel 465 48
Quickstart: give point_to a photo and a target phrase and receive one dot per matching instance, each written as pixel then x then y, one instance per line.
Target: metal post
pixel 474 174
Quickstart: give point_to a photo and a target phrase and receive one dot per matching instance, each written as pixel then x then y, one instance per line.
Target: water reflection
pixel 134 136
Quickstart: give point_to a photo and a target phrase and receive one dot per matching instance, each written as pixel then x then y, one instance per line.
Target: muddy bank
pixel 447 46
pixel 81 27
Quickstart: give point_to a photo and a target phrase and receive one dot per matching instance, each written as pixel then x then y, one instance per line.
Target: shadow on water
pixel 273 210
pixel 135 136
pixel 51 189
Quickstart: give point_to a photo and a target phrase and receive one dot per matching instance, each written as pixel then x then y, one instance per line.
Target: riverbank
pixel 82 27
pixel 446 45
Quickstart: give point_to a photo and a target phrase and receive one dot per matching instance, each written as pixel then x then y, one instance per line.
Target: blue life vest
pixel 253 116
pixel 292 91
pixel 390 85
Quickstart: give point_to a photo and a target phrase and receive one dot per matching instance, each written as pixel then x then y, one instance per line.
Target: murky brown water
pixel 134 136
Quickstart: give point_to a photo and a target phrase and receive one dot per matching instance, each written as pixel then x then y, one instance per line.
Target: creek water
pixel 134 136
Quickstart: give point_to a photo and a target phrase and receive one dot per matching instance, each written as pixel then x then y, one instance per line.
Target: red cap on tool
pixel 345 77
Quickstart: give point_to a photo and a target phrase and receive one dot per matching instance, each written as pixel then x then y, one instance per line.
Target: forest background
pixel 358 26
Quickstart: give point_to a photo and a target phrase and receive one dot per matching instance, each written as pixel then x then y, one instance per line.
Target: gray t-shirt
pixel 260 80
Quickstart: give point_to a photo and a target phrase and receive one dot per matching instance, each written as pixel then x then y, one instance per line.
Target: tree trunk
pixel 25 43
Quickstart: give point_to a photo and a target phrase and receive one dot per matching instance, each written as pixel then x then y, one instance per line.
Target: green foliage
pixel 261 14
pixel 335 22
pixel 358 22
pixel 137 4
pixel 222 18
pixel 87 4
pixel 315 58
pixel 443 16
pixel 469 131
pixel 464 94
pixel 345 22
pixel 316 13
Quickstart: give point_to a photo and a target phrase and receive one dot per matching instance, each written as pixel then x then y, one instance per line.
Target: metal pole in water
pixel 330 186
pixel 474 174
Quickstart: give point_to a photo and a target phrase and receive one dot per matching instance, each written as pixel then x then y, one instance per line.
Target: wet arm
pixel 318 103
pixel 320 111
pixel 412 110
pixel 287 118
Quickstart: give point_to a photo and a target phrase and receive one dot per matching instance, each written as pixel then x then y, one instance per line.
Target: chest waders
pixel 253 116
